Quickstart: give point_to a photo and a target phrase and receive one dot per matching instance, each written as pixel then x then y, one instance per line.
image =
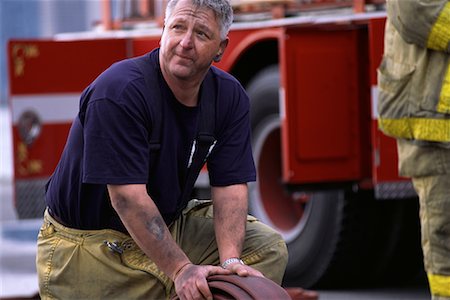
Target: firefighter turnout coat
pixel 414 76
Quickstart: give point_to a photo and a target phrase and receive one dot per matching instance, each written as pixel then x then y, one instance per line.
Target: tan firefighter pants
pixel 80 264
pixel 429 167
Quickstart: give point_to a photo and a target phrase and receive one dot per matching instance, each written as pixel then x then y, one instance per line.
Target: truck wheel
pixel 335 238
pixel 312 223
pixel 309 222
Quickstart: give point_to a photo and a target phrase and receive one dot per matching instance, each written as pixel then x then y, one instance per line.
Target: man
pixel 414 107
pixel 112 228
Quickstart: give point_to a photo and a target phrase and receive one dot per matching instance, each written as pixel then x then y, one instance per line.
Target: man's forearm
pixel 230 217
pixel 145 224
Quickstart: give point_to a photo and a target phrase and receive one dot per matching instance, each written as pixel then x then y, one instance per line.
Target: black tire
pixel 311 229
pixel 335 238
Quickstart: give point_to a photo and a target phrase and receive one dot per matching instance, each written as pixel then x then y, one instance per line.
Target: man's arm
pixel 146 226
pixel 230 219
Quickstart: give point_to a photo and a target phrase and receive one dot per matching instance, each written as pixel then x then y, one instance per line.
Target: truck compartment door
pixel 326 104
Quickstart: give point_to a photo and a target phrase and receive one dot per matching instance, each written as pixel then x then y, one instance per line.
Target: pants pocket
pixel 133 257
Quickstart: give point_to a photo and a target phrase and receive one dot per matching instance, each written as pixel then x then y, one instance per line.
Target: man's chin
pixel 182 73
pixel 182 76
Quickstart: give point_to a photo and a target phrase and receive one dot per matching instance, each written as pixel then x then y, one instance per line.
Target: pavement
pixel 17 237
pixel 18 276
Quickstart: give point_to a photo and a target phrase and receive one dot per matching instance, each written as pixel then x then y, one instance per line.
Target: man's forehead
pixel 202 14
pixel 188 7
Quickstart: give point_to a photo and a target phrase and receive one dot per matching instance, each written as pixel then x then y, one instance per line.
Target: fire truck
pixel 327 177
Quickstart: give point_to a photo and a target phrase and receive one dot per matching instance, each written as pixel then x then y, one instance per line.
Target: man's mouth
pixel 184 57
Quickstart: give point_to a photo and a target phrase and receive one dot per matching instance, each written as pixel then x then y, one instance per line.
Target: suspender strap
pixel 151 80
pixel 152 83
pixel 203 144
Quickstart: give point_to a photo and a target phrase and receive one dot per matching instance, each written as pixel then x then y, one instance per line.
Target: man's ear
pixel 162 32
pixel 222 47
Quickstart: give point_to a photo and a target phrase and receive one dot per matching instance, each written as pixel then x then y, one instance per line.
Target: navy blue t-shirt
pixel 108 143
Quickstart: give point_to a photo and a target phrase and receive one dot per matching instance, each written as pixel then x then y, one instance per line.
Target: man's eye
pixel 202 34
pixel 177 27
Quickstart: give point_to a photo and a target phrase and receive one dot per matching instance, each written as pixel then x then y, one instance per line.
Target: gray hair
pixel 221 8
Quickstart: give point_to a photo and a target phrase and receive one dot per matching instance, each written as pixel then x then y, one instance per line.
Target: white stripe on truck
pixel 50 108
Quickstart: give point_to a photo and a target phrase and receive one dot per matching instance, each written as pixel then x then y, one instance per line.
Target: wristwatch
pixel 232 260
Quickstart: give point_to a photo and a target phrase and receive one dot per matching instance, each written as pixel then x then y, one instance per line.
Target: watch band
pixel 232 260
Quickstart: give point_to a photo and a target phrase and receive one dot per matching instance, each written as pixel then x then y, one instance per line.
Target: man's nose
pixel 186 40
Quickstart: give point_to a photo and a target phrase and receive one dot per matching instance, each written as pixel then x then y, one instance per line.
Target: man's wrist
pixel 181 269
pixel 231 261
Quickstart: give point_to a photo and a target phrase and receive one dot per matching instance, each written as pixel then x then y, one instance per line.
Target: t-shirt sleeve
pixel 116 147
pixel 231 161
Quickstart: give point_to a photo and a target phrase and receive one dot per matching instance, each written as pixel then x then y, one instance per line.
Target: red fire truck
pixel 327 177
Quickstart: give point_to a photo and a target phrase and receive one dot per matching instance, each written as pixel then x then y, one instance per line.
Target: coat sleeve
pixel 425 23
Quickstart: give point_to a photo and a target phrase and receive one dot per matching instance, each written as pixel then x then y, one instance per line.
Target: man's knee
pixel 276 248
pixel 266 251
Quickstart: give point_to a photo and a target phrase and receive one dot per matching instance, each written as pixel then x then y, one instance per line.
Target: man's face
pixel 190 41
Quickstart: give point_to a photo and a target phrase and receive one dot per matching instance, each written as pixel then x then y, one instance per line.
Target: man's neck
pixel 185 91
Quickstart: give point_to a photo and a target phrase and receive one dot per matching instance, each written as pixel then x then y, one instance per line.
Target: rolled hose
pixel 234 287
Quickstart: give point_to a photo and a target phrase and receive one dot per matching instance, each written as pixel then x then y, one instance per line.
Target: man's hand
pixel 190 282
pixel 243 270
